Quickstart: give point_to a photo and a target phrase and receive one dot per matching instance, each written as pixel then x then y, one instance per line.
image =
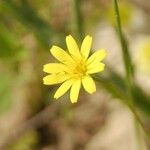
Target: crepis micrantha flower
pixel 74 68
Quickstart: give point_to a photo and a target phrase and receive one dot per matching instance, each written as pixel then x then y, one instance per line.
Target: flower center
pixel 80 69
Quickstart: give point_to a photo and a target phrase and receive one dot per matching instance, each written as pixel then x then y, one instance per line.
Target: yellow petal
pixel 54 68
pixel 63 88
pixel 61 55
pixel 89 84
pixel 74 93
pixel 73 47
pixel 97 56
pixel 86 46
pixel 95 67
pixel 55 79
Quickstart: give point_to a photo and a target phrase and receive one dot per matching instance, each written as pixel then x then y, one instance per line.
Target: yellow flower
pixel 74 68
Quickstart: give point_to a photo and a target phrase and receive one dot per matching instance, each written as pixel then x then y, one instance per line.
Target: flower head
pixel 74 68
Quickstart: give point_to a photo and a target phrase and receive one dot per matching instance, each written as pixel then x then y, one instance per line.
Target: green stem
pixel 110 87
pixel 138 135
pixel 79 19
pixel 128 68
pixel 139 121
pixel 125 52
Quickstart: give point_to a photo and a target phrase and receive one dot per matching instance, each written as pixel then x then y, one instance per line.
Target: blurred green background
pixel 28 29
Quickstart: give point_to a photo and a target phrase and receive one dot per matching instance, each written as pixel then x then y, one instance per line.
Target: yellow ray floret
pixel 74 68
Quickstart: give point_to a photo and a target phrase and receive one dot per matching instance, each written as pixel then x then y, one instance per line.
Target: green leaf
pixel 30 18
pixel 116 85
pixel 7 43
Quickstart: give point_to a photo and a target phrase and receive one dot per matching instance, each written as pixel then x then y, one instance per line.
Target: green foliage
pixel 30 18
pixel 8 44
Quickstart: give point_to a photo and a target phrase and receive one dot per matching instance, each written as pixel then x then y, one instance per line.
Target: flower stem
pixel 128 68
pixel 125 51
pixel 79 19
pixel 139 140
pixel 138 119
